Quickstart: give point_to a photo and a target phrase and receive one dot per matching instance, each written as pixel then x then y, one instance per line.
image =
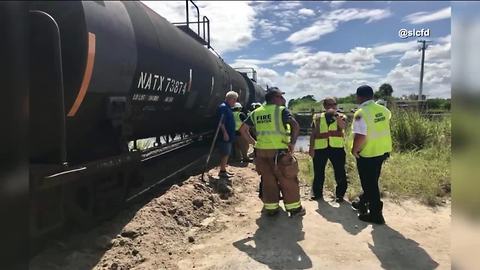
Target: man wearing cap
pixel 241 145
pixel 274 156
pixel 372 144
pixel 327 143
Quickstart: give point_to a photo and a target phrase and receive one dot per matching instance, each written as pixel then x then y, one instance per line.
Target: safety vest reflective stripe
pixel 270 130
pixel 294 205
pixel 270 206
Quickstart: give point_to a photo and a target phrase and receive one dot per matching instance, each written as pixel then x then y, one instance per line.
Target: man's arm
pixel 341 121
pixel 222 115
pixel 313 135
pixel 360 135
pixel 294 133
pixel 245 133
pixel 358 142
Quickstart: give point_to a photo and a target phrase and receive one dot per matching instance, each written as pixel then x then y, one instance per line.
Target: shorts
pixel 225 148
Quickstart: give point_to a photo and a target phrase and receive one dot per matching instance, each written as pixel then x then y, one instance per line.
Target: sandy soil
pixel 217 224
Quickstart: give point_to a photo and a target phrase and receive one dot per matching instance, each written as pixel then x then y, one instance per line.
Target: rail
pixel 203 38
pixel 61 92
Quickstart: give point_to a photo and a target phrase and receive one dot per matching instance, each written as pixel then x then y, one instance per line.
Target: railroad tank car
pixel 122 73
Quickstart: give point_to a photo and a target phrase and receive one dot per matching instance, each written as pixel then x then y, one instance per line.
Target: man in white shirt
pixel 372 144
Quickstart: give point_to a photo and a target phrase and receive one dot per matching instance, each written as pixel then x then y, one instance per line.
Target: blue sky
pixel 328 48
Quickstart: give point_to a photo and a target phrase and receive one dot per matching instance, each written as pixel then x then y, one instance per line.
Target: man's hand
pixel 226 138
pixel 341 121
pixel 311 152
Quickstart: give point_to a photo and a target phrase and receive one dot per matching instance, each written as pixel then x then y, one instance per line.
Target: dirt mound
pixel 156 235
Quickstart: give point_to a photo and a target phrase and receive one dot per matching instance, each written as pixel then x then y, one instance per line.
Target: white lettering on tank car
pixel 146 82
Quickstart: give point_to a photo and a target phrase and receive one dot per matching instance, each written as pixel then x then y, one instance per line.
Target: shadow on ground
pixel 275 243
pixel 341 213
pixel 392 249
pixel 395 251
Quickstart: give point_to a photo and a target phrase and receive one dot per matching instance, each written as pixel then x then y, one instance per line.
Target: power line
pixel 422 48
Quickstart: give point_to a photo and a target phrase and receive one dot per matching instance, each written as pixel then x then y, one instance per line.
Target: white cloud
pixel 405 76
pixel 232 36
pixel 336 4
pixel 323 73
pixel 395 47
pixel 329 23
pixel 268 29
pixel 350 14
pixel 423 16
pixel 312 32
pixel 306 12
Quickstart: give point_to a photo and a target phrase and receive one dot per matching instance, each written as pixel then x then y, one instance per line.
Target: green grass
pixel 306 106
pixel 419 166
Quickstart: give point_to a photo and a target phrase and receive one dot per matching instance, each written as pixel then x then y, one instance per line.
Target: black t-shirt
pixel 286 116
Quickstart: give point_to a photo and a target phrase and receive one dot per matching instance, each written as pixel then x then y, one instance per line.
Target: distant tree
pixel 384 92
pixel 346 100
pixel 291 103
pixel 439 104
pixel 308 98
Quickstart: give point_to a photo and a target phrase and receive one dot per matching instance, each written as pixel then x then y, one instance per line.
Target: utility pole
pixel 422 48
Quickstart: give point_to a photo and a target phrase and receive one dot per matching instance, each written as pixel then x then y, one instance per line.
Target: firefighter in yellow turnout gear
pixel 274 155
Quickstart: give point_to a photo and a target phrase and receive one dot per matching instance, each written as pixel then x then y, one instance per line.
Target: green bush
pixel 413 131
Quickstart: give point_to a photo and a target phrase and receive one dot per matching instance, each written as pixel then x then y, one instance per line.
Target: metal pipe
pixel 58 60
pixel 198 17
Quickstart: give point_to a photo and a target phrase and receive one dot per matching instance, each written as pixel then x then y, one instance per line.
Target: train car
pixel 127 74
pixel 103 73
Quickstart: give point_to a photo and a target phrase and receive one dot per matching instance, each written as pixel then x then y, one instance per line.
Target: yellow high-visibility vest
pixel 269 127
pixel 238 121
pixel 379 139
pixel 332 141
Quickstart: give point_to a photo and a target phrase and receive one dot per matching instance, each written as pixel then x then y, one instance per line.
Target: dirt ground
pixel 217 224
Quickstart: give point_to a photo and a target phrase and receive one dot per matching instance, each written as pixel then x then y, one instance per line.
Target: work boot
pixel 225 174
pixel 271 212
pixel 372 218
pixel 300 211
pixel 360 206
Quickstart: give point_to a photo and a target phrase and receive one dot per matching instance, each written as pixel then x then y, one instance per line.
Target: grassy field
pixel 317 106
pixel 419 166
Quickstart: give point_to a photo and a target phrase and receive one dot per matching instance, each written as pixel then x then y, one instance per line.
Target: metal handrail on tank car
pixel 163 149
pixel 204 21
pixel 254 72
pixel 61 91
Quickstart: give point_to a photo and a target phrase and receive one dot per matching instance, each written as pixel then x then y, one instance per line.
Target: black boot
pixel 375 215
pixel 376 218
pixel 360 206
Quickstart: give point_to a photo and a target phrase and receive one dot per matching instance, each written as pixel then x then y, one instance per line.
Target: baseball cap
pixel 274 90
pixel 365 91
